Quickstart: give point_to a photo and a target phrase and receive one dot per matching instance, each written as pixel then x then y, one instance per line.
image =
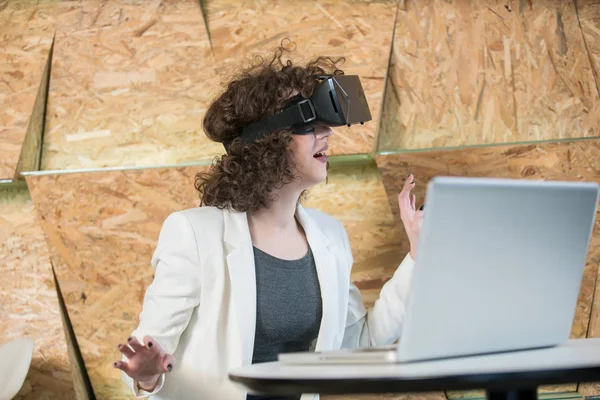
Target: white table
pixel 511 375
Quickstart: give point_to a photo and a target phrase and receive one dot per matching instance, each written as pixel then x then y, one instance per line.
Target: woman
pixel 252 273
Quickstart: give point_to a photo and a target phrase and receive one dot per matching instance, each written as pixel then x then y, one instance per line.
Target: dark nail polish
pixel 421 208
pixel 149 344
pixel 169 367
pixel 115 365
pixel 129 339
pixel 119 346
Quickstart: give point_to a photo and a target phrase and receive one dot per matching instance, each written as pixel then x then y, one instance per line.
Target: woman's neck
pixel 280 214
pixel 275 229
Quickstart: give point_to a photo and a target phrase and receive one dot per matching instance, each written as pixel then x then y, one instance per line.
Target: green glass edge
pixel 7 184
pixel 334 161
pixel 477 146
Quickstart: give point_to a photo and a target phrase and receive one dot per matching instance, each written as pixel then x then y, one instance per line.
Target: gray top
pixel 288 306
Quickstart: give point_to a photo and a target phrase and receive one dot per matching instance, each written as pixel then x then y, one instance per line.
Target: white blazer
pixel 201 306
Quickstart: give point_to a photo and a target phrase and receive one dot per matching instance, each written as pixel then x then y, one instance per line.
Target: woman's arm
pixel 174 292
pixel 381 324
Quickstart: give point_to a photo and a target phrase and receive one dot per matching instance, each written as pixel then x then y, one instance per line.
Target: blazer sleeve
pixel 173 294
pixel 381 324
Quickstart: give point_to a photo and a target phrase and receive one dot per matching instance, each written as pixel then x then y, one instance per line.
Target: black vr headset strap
pixel 300 113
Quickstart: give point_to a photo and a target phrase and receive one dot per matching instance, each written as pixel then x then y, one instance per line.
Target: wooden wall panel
pixel 129 88
pixel 361 31
pixel 26 33
pixel 593 388
pixel 589 19
pixel 29 300
pixel 486 71
pixel 103 227
pixel 31 149
pixel 130 82
pixel 355 195
pixel 588 15
pixel 564 160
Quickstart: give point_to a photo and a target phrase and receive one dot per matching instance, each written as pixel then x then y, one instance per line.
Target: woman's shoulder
pixel 320 216
pixel 203 214
pixel 327 223
pixel 197 217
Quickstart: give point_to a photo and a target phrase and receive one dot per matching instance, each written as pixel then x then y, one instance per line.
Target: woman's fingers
pixel 123 366
pixel 126 350
pixel 168 363
pixel 405 200
pixel 135 344
pixel 408 185
pixel 413 202
pixel 153 345
pixel 419 219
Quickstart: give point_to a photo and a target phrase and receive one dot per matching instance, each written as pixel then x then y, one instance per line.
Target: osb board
pixel 31 150
pixel 593 388
pixel 29 301
pixel 355 195
pixel 129 85
pixel 567 160
pixel 589 20
pixel 26 31
pixel 361 31
pixel 103 227
pixel 485 71
pixel 79 373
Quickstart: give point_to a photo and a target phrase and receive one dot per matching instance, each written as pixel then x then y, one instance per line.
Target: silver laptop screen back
pixel 499 266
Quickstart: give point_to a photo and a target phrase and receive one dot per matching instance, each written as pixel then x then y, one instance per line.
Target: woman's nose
pixel 322 131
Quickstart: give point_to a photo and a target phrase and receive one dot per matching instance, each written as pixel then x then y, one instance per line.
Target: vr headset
pixel 337 100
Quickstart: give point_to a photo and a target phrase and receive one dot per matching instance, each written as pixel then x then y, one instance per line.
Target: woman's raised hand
pixel 145 362
pixel 410 216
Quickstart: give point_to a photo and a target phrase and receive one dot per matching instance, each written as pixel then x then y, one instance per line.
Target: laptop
pixel 498 269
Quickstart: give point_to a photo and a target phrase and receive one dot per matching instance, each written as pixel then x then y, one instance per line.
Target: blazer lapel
pixel 240 264
pixel 327 274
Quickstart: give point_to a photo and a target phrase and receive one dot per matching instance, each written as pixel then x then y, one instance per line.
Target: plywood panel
pixel 485 71
pixel 361 31
pixel 28 297
pixel 26 31
pixel 567 160
pixel 593 388
pixel 355 195
pixel 130 83
pixel 589 22
pixel 103 227
pixel 31 149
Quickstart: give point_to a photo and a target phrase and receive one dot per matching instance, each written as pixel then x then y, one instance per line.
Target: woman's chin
pixel 318 178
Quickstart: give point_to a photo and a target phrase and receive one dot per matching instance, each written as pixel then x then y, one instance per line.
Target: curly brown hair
pixel 244 178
